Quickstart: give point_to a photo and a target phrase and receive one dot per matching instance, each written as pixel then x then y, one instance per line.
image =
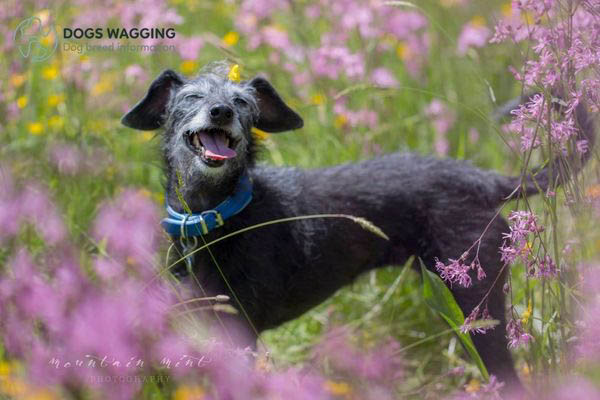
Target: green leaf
pixel 438 296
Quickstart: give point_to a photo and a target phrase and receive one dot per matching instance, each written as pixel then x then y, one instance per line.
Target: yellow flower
pixel 56 122
pixel 527 313
pixel 234 73
pixel 403 51
pixel 337 388
pixel 22 101
pixel 104 85
pixel 473 386
pixel 145 193
pixel 593 192
pixel 188 393
pixel 506 9
pixel 6 368
pixel 41 394
pixel 188 67
pixel 527 248
pixel 13 387
pixel 48 40
pixel 145 136
pixel 340 121
pixel 478 20
pixel 55 99
pixel 525 370
pixel 318 99
pixel 97 125
pixel 50 72
pixel 35 128
pixel 231 38
pixel 260 135
pixel 159 197
pixel 17 80
pixel 528 18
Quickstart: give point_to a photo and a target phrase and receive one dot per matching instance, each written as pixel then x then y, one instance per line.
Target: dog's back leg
pixel 491 345
pixel 451 241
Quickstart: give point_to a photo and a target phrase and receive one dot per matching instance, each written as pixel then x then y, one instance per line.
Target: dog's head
pixel 208 122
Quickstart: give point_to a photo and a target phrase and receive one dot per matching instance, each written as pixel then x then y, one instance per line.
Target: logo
pixel 35 42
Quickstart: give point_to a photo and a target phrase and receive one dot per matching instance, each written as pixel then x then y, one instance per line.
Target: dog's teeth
pixel 227 142
pixel 196 141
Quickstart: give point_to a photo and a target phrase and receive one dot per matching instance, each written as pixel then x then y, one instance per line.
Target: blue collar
pixel 197 224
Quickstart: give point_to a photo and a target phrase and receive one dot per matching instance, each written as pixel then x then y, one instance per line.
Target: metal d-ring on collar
pixel 188 246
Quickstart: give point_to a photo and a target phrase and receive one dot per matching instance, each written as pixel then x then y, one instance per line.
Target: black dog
pixel 428 207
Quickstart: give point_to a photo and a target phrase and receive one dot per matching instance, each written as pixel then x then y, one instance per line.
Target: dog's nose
pixel 221 114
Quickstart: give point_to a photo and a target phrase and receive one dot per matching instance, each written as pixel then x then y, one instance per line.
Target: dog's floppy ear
pixel 274 114
pixel 148 113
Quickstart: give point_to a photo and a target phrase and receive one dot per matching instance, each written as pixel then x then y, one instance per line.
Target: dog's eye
pixel 194 97
pixel 240 102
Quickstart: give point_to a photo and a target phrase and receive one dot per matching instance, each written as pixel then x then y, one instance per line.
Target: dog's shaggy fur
pixel 428 207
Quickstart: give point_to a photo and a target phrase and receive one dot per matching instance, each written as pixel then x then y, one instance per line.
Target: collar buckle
pixel 216 214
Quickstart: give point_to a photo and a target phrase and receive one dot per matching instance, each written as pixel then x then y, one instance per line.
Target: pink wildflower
pixel 442 117
pixel 458 272
pixel 383 77
pixel 189 47
pixel 67 158
pixel 516 335
pixel 472 35
pixel 129 227
pixel 381 364
pixel 547 268
pixel 136 73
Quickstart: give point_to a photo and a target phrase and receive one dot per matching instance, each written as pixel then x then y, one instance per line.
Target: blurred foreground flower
pixel 379 366
pixel 109 332
pixel 384 78
pixel 28 204
pixel 474 34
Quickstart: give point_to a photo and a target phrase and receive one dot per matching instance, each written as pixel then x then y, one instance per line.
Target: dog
pixel 431 208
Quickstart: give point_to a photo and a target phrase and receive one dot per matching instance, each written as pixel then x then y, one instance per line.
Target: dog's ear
pixel 148 113
pixel 274 114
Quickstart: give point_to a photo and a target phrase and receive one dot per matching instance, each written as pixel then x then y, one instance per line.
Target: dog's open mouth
pixel 213 146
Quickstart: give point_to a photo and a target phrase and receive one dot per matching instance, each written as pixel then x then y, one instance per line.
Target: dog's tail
pixel 560 168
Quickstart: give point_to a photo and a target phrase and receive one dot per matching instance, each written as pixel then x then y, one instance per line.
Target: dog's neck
pixel 199 194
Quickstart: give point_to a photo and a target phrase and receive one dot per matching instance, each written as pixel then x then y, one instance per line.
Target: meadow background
pixel 369 78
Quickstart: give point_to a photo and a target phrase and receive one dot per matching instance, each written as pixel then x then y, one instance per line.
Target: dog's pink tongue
pixel 215 146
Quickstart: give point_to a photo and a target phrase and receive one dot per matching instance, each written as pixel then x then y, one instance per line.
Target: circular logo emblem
pixel 33 41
